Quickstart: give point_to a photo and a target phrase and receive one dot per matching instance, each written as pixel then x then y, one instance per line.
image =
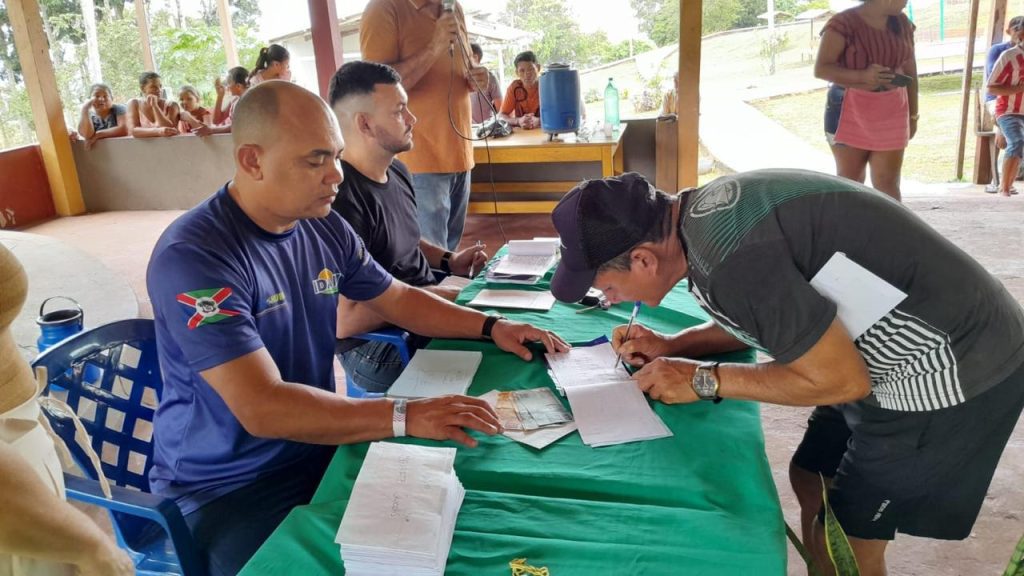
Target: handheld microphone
pixel 447 5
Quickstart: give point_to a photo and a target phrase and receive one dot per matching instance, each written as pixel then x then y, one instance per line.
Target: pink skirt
pixel 874 120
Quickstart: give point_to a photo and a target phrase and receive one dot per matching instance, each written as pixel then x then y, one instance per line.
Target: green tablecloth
pixel 700 502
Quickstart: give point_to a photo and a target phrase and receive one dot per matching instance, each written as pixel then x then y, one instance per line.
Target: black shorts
pixel 918 473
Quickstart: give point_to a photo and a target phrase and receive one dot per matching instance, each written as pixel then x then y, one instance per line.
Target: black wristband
pixel 446 264
pixel 489 325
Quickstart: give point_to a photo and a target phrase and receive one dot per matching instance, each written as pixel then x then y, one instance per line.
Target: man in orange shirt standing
pixel 432 56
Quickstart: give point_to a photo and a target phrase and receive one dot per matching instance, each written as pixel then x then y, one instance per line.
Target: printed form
pixel 606 403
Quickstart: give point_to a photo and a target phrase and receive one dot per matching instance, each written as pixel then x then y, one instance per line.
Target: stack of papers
pixel 520 299
pixel 401 515
pixel 513 427
pixel 527 261
pixel 452 281
pixel 608 406
pixel 434 373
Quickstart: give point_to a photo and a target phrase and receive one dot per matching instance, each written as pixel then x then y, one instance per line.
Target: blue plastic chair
pixel 117 412
pixel 396 337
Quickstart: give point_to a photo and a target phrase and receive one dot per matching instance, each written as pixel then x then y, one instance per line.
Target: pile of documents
pixel 526 262
pixel 434 373
pixel 401 515
pixel 608 406
pixel 533 417
pixel 518 299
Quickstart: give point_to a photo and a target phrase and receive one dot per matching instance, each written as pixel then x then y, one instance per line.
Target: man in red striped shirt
pixel 1007 83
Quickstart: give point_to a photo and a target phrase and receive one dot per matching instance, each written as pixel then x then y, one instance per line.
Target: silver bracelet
pixel 398 417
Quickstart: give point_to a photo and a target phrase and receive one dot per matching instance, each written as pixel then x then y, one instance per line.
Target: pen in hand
pixel 472 263
pixel 629 326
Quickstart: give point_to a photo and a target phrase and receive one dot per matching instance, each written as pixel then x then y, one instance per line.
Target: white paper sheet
pixel 512 265
pixel 455 282
pixel 614 413
pixel 608 406
pixel 535 247
pixel 433 373
pixel 519 299
pixel 862 298
pixel 528 258
pixel 586 365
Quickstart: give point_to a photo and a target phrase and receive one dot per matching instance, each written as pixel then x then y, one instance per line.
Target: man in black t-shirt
pixel 378 201
pixel 911 351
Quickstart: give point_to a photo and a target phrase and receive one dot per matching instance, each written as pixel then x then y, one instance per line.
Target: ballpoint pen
pixel 472 263
pixel 629 326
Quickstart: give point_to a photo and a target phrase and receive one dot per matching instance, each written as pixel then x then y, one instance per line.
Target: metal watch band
pixel 398 417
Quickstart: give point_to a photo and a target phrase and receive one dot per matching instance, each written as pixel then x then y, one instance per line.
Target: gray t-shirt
pixel 755 240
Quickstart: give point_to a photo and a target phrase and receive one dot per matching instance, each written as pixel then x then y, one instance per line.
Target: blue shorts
pixel 1012 126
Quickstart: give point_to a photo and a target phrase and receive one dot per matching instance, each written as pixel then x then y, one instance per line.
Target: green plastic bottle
pixel 611 105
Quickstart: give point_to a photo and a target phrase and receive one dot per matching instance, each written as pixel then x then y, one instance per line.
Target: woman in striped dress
pixel 867 53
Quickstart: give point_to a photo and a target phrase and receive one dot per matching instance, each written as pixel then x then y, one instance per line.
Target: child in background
pixel 192 116
pixel 273 64
pixel 237 84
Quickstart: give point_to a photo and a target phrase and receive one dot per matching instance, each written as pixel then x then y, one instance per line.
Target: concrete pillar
pixel 142 21
pixel 323 19
pixel 227 32
pixel 688 103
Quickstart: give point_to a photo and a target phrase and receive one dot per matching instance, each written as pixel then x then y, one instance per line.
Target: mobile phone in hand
pixel 901 80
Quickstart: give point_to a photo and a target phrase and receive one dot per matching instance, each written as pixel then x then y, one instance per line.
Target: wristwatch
pixel 398 417
pixel 705 382
pixel 489 325
pixel 446 262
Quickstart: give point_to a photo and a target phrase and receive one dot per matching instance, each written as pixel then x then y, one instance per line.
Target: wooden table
pixel 533 147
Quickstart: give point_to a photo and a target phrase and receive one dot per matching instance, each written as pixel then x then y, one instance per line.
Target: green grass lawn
pixel 931 156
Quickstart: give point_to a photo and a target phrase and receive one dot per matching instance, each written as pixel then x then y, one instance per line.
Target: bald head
pixel 266 112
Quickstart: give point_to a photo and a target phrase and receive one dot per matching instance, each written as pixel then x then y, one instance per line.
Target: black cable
pixel 486 139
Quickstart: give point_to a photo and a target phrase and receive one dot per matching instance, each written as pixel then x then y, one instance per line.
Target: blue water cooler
pixel 559 100
pixel 56 325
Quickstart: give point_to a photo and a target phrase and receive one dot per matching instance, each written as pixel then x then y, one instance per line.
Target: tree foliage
pixel 244 13
pixel 558 38
pixel 659 19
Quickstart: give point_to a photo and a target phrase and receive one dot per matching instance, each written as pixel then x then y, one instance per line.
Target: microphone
pixel 449 6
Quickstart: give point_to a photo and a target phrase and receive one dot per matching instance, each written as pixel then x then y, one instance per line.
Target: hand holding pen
pixel 641 345
pixel 468 261
pixel 629 326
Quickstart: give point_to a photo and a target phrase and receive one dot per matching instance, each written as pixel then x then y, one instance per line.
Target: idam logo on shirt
pixel 326 282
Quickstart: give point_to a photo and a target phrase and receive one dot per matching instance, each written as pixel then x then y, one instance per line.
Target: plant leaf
pixel 1016 566
pixel 835 539
pixel 802 550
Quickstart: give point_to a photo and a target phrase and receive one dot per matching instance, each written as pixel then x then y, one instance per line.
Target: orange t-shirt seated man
pixel 521 106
